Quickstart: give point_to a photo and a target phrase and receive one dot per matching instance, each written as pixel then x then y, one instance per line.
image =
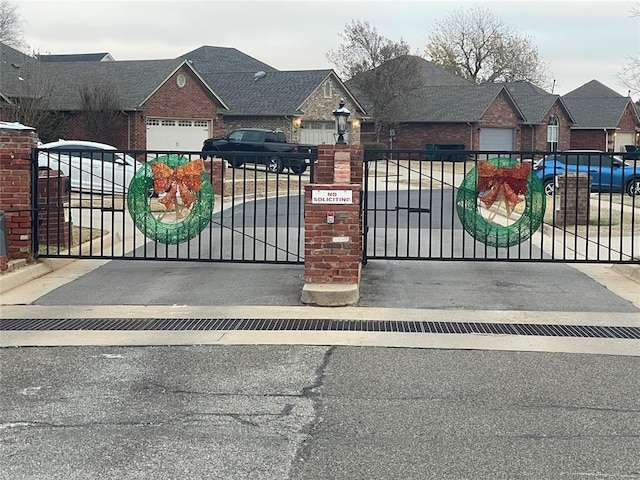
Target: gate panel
pixel 258 217
pixel 409 212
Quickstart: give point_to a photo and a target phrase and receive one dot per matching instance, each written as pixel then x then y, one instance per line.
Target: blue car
pixel 609 173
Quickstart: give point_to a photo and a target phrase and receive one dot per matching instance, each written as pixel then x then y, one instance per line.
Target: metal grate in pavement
pixel 407 326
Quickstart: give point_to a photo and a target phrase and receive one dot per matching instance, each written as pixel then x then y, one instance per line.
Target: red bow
pixel 502 182
pixel 187 181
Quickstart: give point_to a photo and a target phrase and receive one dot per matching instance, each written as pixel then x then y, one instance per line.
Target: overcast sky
pixel 579 40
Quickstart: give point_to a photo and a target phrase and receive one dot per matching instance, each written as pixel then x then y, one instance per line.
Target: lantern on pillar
pixel 341 114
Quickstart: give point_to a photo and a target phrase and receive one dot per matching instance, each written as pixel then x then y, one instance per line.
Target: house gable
pixel 325 97
pixel 182 95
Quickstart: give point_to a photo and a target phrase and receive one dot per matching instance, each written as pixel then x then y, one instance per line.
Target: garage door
pixel 496 139
pixel 622 139
pixel 177 134
pixel 316 133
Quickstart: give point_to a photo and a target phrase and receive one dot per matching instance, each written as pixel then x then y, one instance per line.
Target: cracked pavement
pixel 316 412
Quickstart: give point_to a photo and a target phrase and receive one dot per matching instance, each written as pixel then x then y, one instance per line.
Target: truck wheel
pixel 298 169
pixel 274 165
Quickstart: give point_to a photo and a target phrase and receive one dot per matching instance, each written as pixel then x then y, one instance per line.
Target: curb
pixel 630 271
pixel 23 273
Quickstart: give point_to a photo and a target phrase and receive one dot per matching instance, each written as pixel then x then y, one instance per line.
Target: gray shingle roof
pixel 592 89
pixel 412 106
pixel 453 103
pixel 594 105
pixel 533 101
pixel 276 93
pixel 435 76
pixel 15 65
pixel 597 112
pixel 224 60
pixel 134 81
pixel 79 57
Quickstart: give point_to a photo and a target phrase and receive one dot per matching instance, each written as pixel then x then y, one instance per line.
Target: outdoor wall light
pixel 341 114
pixel 296 122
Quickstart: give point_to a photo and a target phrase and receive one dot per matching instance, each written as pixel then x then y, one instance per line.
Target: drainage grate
pixel 213 324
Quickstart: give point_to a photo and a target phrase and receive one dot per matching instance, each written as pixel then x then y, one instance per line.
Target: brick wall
pixel 15 191
pixel 416 136
pixel 588 139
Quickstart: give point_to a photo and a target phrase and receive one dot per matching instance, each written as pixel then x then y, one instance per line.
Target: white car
pixel 90 166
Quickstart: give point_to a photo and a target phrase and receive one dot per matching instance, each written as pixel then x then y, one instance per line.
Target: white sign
pixel 341 197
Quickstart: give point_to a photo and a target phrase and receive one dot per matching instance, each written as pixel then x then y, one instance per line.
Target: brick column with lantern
pixel 332 222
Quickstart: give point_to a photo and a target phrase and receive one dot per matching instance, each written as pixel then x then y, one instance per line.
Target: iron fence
pixel 415 206
pixel 86 211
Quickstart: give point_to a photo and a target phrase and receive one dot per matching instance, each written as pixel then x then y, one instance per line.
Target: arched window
pixel 552 133
pixel 327 89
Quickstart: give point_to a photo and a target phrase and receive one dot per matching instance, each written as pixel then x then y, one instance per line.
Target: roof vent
pixel 259 75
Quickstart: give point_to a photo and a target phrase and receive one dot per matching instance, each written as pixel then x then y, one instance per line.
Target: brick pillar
pixel 15 190
pixel 333 228
pixel 54 218
pixel 572 199
pixel 216 169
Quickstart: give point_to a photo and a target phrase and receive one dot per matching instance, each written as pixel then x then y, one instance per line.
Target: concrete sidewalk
pixel 30 283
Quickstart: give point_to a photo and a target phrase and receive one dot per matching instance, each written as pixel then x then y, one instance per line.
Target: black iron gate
pixel 84 211
pixel 410 212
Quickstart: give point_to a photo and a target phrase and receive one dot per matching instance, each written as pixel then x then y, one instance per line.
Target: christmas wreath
pixel 170 199
pixel 499 186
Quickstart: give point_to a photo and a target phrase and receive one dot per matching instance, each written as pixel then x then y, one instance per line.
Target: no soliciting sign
pixel 332 196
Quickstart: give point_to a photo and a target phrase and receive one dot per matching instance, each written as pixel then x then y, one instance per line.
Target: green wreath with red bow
pixel 170 199
pixel 491 195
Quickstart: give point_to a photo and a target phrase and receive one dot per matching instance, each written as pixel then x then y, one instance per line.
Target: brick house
pixel 509 116
pixel 604 119
pixel 499 117
pixel 298 102
pixel 176 104
pixel 154 97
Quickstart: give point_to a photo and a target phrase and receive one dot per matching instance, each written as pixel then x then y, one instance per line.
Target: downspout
pixel 128 129
pixel 533 139
pixel 606 140
pixel 471 136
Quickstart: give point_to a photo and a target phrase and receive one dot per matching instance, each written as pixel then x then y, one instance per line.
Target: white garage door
pixel 177 134
pixel 496 139
pixel 623 139
pixel 316 133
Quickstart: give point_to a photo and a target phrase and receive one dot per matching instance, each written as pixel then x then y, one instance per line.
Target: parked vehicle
pixel 261 146
pixel 609 173
pixel 90 166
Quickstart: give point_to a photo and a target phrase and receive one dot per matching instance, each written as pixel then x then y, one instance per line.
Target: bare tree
pixel 11 32
pixel 378 70
pixel 630 74
pixel 101 111
pixel 476 45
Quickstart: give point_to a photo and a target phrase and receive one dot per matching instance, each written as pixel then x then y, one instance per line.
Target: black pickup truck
pixel 261 146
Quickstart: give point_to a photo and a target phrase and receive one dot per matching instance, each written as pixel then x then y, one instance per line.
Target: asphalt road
pixel 386 284
pixel 303 413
